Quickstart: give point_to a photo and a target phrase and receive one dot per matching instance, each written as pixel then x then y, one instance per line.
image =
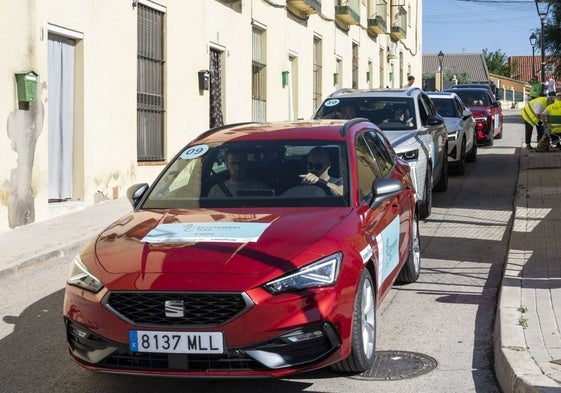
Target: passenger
pixel 318 164
pixel 236 162
pixel 348 110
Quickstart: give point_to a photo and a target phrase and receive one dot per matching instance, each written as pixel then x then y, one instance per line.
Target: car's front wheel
pixel 363 336
pixel 472 154
pixel 412 268
pixel 442 184
pixel 459 167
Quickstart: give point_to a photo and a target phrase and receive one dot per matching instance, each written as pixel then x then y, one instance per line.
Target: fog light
pixel 76 331
pixel 299 336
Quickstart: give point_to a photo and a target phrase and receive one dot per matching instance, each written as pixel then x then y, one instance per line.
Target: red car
pixel 260 250
pixel 487 113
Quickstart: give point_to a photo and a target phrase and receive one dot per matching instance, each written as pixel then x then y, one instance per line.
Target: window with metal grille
pixel 150 86
pixel 258 83
pixel 317 94
pixel 355 66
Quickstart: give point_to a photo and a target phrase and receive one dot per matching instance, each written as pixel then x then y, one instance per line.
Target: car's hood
pixel 401 139
pixel 209 241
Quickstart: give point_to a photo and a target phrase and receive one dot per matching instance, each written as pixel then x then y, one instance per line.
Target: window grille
pixel 258 83
pixel 150 84
pixel 317 94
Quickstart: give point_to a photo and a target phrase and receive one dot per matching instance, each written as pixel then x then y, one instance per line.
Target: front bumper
pixel 272 337
pixel 275 357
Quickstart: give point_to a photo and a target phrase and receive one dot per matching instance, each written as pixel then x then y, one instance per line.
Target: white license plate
pixel 176 342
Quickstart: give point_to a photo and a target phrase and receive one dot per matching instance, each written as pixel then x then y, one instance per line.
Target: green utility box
pixel 26 82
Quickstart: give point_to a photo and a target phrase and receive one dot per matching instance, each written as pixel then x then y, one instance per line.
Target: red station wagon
pixel 277 273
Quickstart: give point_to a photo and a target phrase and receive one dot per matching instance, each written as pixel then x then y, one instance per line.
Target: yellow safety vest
pixel 554 117
pixel 528 114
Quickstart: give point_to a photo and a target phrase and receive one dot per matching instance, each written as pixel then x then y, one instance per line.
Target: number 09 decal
pixel 194 152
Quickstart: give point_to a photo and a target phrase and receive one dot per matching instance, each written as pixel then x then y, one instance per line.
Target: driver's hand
pixel 309 178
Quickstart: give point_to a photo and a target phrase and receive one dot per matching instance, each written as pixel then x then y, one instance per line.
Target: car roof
pixel 410 92
pixel 474 89
pixel 335 130
pixel 442 94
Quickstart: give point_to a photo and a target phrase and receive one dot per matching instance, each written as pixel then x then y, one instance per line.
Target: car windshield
pixel 254 174
pixel 473 98
pixel 388 113
pixel 445 107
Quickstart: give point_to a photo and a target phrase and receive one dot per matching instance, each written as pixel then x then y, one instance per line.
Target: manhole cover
pixel 396 365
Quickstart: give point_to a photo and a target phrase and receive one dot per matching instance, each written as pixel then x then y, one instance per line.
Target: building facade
pixel 98 94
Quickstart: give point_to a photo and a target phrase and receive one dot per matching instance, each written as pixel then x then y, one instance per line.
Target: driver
pixel 399 117
pixel 318 164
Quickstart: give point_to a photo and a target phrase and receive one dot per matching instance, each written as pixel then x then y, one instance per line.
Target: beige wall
pixel 105 162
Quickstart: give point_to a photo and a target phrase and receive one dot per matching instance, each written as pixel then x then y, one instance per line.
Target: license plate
pixel 176 342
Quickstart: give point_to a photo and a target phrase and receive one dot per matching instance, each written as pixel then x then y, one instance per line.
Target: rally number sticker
pixel 332 102
pixel 194 152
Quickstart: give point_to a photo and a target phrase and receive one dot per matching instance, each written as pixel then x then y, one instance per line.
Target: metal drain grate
pixel 397 365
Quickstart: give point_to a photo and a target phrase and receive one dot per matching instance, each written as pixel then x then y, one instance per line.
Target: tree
pixel 552 33
pixel 497 62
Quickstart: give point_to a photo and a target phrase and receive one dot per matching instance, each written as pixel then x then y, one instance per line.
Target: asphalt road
pixel 447 315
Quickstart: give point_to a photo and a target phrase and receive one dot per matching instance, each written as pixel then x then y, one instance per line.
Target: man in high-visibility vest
pixel 531 116
pixel 551 118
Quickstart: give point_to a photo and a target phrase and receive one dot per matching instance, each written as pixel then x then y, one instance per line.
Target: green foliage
pixel 497 62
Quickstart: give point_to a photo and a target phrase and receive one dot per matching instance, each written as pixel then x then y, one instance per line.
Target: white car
pixel 462 141
pixel 410 122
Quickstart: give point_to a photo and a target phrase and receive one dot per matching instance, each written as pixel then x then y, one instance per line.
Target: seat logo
pixel 175 308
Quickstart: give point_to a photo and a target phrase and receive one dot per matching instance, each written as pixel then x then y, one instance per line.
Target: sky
pixel 469 26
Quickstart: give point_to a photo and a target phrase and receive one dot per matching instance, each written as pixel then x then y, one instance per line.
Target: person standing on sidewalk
pixel 531 115
pixel 551 118
pixel 410 82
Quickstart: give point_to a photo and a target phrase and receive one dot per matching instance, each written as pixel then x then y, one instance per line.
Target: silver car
pixel 409 120
pixel 462 141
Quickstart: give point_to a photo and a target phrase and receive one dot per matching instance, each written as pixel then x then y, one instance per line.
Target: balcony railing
pixel 348 11
pixel 399 23
pixel 305 6
pixel 377 18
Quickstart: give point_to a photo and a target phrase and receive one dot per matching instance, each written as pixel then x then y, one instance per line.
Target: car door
pixel 384 228
pixel 437 132
pixel 468 124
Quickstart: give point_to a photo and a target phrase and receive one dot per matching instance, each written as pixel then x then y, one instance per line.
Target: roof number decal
pixel 194 152
pixel 332 102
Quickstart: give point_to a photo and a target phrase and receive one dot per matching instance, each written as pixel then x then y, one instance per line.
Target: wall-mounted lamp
pixel 285 78
pixel 335 79
pixel 204 80
pixel 134 4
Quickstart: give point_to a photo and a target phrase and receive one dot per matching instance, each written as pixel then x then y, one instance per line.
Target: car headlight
pixel 81 277
pixel 322 273
pixel 452 136
pixel 409 155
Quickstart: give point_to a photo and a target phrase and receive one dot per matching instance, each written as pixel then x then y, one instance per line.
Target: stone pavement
pixel 528 319
pixel 527 333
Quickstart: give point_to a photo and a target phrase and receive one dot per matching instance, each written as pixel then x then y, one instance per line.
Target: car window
pixel 445 107
pixel 379 151
pixel 257 173
pixel 371 163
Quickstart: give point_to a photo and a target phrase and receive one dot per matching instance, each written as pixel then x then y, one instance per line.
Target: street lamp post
pixel 440 60
pixel 533 41
pixel 542 6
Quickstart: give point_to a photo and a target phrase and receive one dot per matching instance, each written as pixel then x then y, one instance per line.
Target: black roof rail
pixel 343 91
pixel 219 128
pixel 350 123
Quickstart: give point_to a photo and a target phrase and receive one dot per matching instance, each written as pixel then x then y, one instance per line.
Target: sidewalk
pixel 528 319
pixel 42 241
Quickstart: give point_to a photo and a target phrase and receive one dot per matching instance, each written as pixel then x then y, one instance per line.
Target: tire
pixel 363 335
pixel 472 154
pixel 425 206
pixel 410 271
pixel 500 134
pixel 442 184
pixel 459 168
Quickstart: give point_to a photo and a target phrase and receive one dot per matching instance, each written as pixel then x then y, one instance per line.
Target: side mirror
pixel 496 104
pixel 435 121
pixel 383 189
pixel 136 192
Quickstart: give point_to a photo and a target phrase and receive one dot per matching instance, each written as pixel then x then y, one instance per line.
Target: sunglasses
pixel 315 165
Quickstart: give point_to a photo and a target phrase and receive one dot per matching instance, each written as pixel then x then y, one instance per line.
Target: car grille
pixel 200 309
pixel 124 359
